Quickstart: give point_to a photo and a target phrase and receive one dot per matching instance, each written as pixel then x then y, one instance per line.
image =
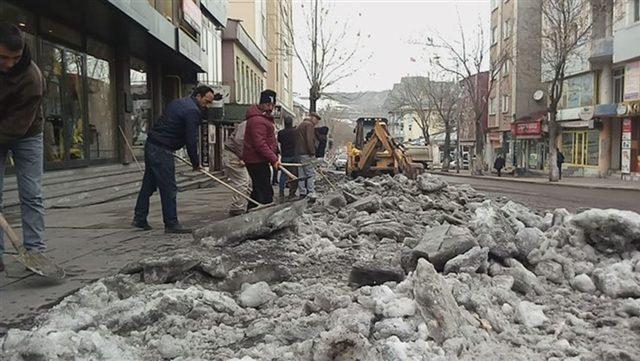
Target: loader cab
pixel 364 130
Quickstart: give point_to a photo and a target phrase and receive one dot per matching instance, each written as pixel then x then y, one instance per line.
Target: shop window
pixel 101 130
pixel 141 97
pixel 636 10
pixel 164 7
pixel 578 92
pixel 581 148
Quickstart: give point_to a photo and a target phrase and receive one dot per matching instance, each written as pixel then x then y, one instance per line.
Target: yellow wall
pixel 250 80
pixel 279 76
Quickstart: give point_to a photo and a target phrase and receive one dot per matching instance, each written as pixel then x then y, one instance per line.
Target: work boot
pixel 177 229
pixel 142 225
pixel 1 264
pixel 236 212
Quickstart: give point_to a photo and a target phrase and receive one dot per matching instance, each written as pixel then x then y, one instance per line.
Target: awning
pixel 577 124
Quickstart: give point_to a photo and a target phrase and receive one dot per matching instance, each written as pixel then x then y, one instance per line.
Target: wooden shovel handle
pixel 13 237
pixel 289 174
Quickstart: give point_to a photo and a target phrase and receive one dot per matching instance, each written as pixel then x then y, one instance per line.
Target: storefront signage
pixel 586 113
pixel 622 109
pixel 633 108
pixel 191 14
pixel 626 146
pixel 527 129
pixel 632 81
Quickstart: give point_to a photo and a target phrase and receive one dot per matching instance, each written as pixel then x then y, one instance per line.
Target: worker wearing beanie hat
pixel 260 150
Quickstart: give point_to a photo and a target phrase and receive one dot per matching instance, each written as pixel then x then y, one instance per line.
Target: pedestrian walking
pixel 22 89
pixel 235 170
pixel 177 127
pixel 260 150
pixel 499 164
pixel 287 141
pixel 306 153
pixel 322 135
pixel 559 161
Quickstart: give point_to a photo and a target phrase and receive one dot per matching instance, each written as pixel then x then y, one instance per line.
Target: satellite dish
pixel 538 95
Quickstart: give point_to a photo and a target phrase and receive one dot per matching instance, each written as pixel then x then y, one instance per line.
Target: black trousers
pixel 261 188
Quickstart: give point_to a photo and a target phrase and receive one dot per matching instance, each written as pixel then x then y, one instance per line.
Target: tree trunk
pixel 447 150
pixel 554 174
pixel 478 163
pixel 314 95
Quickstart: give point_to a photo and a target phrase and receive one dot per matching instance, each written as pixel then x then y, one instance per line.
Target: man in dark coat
pixel 22 88
pixel 499 164
pixel 287 141
pixel 261 148
pixel 559 161
pixel 177 127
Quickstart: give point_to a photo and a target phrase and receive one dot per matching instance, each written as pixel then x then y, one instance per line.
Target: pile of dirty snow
pixel 381 269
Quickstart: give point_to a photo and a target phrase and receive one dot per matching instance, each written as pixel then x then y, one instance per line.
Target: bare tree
pixel 464 60
pixel 566 27
pixel 321 50
pixel 446 100
pixel 411 96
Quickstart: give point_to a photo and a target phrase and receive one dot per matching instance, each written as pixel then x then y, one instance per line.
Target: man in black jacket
pixel 287 140
pixel 177 126
pixel 22 89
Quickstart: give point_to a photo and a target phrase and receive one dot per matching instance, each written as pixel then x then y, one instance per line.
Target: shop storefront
pixel 104 77
pixel 580 145
pixel 531 146
pixel 630 141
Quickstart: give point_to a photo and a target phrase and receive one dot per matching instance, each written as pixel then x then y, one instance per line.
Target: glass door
pixel 64 104
pixel 579 148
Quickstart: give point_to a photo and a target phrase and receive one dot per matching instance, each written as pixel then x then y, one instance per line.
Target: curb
pixel 522 180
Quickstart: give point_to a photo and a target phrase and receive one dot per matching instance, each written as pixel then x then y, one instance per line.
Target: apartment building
pixel 516 108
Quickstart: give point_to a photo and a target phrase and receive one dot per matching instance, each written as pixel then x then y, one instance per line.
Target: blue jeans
pixel 307 170
pixel 159 173
pixel 27 155
pixel 283 177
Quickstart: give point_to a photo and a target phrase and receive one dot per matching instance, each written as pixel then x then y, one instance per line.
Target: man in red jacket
pixel 261 148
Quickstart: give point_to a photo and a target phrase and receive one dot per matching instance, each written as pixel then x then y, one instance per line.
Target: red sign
pixel 527 129
pixel 626 125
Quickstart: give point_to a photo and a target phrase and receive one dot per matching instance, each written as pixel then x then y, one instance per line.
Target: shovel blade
pixel 40 264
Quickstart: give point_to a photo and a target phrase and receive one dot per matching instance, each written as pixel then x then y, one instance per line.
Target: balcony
pixel 625 43
pixel 601 50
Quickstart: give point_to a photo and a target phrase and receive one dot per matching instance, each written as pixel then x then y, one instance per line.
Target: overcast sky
pixel 393 24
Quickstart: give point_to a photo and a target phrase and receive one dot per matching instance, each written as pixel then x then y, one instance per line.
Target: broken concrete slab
pixel 375 272
pixel 618 280
pixel 251 225
pixel 442 243
pixel 610 229
pixel 472 261
pixel 370 204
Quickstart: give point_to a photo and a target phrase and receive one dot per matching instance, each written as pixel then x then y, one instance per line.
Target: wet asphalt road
pixel 544 197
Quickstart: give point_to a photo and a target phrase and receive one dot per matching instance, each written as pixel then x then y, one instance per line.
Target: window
pixel 237 78
pixel 618 85
pixel 581 147
pixel 578 92
pixel 505 104
pixel 505 68
pixel 164 7
pixel 493 35
pixel 506 29
pixel 492 106
pixel 636 10
pixel 101 101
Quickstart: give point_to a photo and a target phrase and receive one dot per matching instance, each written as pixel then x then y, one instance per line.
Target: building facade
pixel 467 124
pixel 111 66
pixel 515 103
pixel 280 52
pixel 600 105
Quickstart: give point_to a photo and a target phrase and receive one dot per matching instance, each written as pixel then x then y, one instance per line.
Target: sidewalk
pixel 578 182
pixel 97 241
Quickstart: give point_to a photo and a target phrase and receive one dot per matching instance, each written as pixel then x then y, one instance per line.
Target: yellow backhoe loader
pixel 374 152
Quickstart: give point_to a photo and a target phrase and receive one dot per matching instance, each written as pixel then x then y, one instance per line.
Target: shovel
pixel 35 261
pixel 229 187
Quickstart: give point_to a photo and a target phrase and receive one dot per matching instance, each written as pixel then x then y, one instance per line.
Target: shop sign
pixel 586 113
pixel 191 14
pixel 622 109
pixel 633 108
pixel 626 146
pixel 224 90
pixel 632 81
pixel 527 129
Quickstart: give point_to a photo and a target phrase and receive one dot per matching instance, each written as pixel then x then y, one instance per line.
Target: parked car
pixel 341 161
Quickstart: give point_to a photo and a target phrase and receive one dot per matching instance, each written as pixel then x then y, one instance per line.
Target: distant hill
pixel 363 103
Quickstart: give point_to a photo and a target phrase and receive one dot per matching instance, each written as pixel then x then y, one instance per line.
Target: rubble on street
pixel 385 268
